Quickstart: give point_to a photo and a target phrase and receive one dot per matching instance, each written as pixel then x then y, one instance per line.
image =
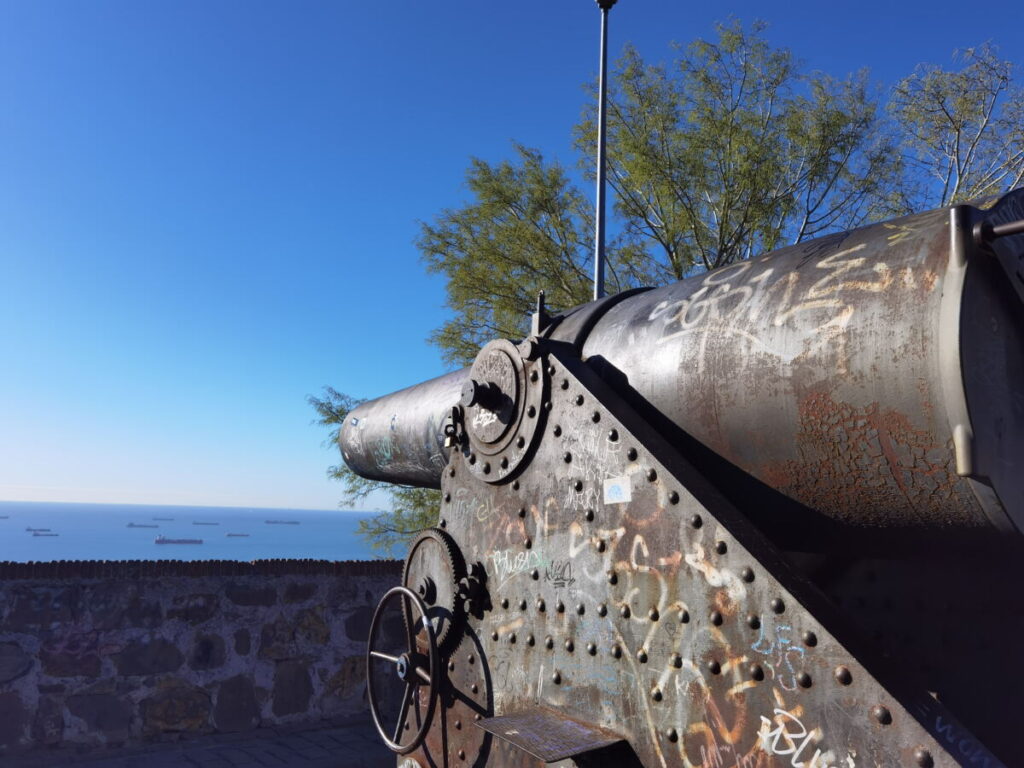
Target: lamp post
pixel 605 6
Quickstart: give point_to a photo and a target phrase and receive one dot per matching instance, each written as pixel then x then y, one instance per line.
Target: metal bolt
pixel 843 676
pixel 504 462
pixel 677 660
pixel 882 715
pixel 522 511
pixel 589 515
pixel 458 725
pixel 601 545
pixel 569 645
pixel 804 680
pixel 624 612
pixel 504 602
pixel 672 734
pixel 531 411
pixel 578 486
pixel 472 458
pixel 474 688
pixel 556 678
pixel 462 754
pixel 810 639
pixel 530 639
pixel 579 400
pixel 652 475
pixel 494 635
pixel 527 542
pixel 557 431
pixel 535 574
pixel 923 758
pixel 522 605
pixel 534 375
pixel 631 454
pixel 716 618
pixel 591 649
pixel 778 606
pixel 540 605
pixel 641 656
pixel 684 617
pixel 595 416
pixel 520 442
pixel 512 637
pixel 696 521
pixel 451 472
pixel 551 370
pixel 613 435
pixel 447 497
pixel 714 667
pixel 560 606
pixel 471 659
pixel 756 673
pixel 616 652
pixel 653 614
pixel 656 694
pixel 515 483
pixel 444 523
pixel 477 717
pixel 567 458
pixel 487 467
pixel 747 574
pixel 451 666
pixel 754 621
pixel 549 642
pixel 673 497
pixel 581 609
pixel 612 577
pixel 564 384
pixel 721 547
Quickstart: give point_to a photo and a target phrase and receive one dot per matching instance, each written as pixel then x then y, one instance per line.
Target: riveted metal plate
pixel 549 735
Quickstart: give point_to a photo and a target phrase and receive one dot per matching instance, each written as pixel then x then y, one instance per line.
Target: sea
pixel 129 532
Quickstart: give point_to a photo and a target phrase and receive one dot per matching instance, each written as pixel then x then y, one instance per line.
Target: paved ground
pixel 355 744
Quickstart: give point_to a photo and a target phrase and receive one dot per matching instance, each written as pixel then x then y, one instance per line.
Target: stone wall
pixel 107 654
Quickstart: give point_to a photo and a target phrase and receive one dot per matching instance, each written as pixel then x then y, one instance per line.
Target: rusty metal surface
pixel 548 734
pixel 868 379
pixel 624 590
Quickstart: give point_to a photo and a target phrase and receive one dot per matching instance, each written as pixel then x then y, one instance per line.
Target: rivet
pixel 672 734
pixel 556 678
pixel 716 618
pixel 535 574
pixel 540 605
pixel 444 523
pixel 684 617
pixel 714 667
pixel 477 717
pixel 522 511
pixel 581 609
pixel 504 602
pixel 471 659
pixel 652 475
pixel 810 639
pixel 458 725
pixel 804 680
pixel 567 457
pixel 602 609
pixel 472 458
pixel 560 606
pixel 534 375
pixel 504 462
pixel 882 715
pixel 487 467
pixel 549 642
pixel 843 676
pixel 557 431
pixel 923 758
pixel 656 694
pixel 613 435
pixel 653 614
pixel 451 472
pixel 527 542
pixel 778 606
pixel 613 577
pixel 474 688
pixel 579 400
pixel 564 384
pixel 551 370
pixel 522 605
pixel 595 416
pixel 641 656
pixel 591 649
pixel 721 547
pixel 447 497
pixel 520 442
pixel 578 486
pixel 756 673
pixel 616 652
pixel 531 411
pixel 547 405
pixel 673 497
pixel 696 521
pixel 677 660
pixel 569 646
pixel 494 635
pixel 512 637
pixel 601 546
pixel 530 639
pixel 589 515
pixel 515 483
pixel 624 612
pixel 747 574
pixel 631 454
pixel 451 666
pixel 754 621
pixel 462 754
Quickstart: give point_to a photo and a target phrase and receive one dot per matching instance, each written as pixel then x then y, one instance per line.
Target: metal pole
pixel 605 6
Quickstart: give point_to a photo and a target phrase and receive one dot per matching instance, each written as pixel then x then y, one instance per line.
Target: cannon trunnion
pixel 620 576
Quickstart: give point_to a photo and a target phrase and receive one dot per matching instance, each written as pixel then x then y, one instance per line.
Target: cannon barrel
pixel 875 376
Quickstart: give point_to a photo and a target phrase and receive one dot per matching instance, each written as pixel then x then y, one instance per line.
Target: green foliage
pixel 964 130
pixel 413 509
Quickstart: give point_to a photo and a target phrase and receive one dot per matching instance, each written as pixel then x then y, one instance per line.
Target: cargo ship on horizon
pixel 161 539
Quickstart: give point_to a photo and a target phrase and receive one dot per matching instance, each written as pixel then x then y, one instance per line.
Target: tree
pixel 964 130
pixel 412 509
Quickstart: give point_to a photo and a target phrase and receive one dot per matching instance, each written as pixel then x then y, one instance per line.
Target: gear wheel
pixel 433 569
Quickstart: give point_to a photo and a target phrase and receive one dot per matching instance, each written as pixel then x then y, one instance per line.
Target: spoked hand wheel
pixel 414 667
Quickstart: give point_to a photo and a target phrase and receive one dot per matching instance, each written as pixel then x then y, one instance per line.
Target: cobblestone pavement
pixel 355 744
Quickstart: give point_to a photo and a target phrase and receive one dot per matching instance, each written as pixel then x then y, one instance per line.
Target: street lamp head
pixel 606 5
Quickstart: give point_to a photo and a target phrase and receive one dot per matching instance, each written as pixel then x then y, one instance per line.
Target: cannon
pixel 768 515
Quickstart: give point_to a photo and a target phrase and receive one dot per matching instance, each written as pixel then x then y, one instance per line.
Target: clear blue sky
pixel 207 208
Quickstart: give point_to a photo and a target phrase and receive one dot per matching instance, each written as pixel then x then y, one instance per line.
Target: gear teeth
pixel 456 565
